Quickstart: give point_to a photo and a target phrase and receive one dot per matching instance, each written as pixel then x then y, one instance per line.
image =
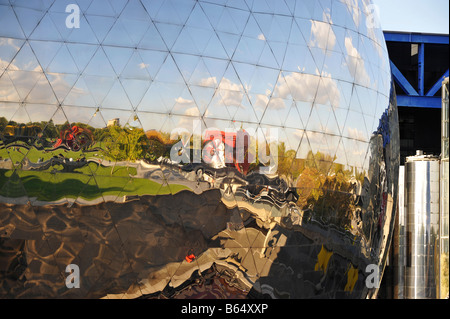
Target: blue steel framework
pixel 418 98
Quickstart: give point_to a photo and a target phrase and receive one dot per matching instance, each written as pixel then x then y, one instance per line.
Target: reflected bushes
pixel 125 143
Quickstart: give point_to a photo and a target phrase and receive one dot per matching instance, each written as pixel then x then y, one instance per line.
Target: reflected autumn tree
pixel 324 188
pixel 158 144
pixel 125 143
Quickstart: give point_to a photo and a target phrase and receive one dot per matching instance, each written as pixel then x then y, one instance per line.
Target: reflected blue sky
pixel 299 65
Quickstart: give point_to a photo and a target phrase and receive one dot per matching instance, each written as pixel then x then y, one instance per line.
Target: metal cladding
pixel 189 149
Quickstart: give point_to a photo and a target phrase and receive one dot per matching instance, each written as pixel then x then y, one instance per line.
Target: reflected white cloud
pixel 356 134
pixel 230 93
pixel 184 102
pixel 304 87
pixel 323 35
pixel 356 64
pixel 210 82
pixel 353 8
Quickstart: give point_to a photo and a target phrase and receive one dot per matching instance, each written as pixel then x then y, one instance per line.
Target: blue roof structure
pixel 417 97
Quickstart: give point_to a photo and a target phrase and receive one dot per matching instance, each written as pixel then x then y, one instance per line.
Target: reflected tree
pixel 125 143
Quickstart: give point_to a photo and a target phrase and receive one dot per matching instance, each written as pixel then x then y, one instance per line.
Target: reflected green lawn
pixel 33 154
pixel 88 182
pixel 47 186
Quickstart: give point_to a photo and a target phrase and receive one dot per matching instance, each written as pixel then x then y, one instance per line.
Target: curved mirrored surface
pixel 190 149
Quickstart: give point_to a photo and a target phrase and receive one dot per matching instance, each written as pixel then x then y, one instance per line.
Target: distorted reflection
pixel 192 149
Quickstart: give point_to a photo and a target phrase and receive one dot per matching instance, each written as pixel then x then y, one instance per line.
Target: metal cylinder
pixel 422 226
pixel 402 242
pixel 444 214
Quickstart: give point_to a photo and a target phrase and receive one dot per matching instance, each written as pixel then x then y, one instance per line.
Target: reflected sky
pixel 304 66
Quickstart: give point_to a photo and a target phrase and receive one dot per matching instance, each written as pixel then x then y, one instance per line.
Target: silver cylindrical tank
pixel 422 216
pixel 445 191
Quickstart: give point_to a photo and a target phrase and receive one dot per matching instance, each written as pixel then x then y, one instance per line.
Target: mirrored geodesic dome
pixel 188 149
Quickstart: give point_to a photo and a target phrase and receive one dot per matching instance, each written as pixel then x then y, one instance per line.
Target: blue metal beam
pixel 421 68
pixel 417 98
pixel 402 81
pixel 438 85
pixel 419 101
pixel 416 37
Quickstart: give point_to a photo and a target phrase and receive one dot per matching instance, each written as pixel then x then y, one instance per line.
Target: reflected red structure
pixel 227 149
pixel 190 258
pixel 76 138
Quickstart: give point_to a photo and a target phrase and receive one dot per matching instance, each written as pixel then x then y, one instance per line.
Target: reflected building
pixel 191 149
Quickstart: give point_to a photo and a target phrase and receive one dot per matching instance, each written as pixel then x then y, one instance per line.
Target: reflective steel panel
pixel 188 149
